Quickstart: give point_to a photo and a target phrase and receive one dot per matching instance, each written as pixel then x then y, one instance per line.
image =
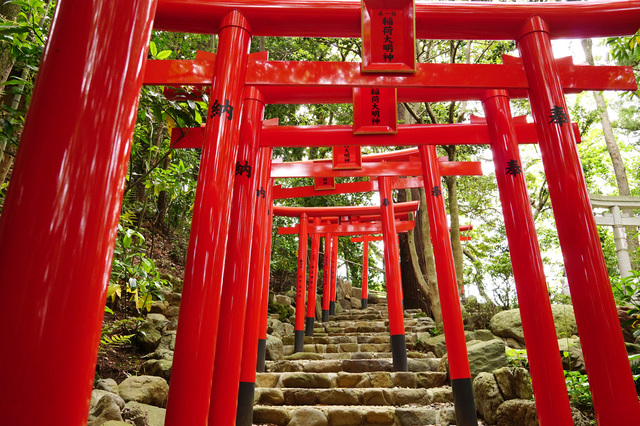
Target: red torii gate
pixel 365 239
pixel 81 184
pixel 349 223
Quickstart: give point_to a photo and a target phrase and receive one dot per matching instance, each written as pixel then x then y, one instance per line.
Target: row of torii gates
pixel 60 217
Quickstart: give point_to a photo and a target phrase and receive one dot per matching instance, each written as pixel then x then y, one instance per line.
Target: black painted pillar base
pixel 308 326
pixel 325 315
pixel 365 302
pixel 299 341
pixel 463 402
pixel 332 308
pixel 399 352
pixel 262 355
pixel 244 412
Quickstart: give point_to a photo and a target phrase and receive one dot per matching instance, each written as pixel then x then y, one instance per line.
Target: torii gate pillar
pixel 394 280
pixel 448 289
pixel 59 221
pixel 614 394
pixel 326 277
pixel 303 236
pixel 552 401
pixel 190 389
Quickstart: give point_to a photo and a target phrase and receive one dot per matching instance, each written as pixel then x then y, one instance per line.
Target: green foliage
pixel 119 333
pixel 133 271
pixel 626 51
pixel 437 330
pixel 626 292
pixel 579 391
pixel 24 40
pixel 476 315
pixel 517 358
pixel 283 311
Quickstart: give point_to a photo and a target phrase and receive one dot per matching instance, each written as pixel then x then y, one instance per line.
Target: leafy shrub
pixel 626 292
pixel 476 315
pixel 119 333
pixel 517 358
pixel 578 389
pixel 283 311
pixel 133 272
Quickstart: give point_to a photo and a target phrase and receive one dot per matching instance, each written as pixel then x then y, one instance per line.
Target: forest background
pixel 156 212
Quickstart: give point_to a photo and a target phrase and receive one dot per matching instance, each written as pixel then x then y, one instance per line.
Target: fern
pixel 116 340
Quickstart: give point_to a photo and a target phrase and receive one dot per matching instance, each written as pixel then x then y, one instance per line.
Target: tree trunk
pixel 422 225
pixel 454 214
pixel 8 12
pixel 614 152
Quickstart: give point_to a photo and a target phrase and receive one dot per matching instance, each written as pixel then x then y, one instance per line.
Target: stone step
pixel 326 339
pixel 341 347
pixel 349 327
pixel 441 414
pixel 377 379
pixel 351 355
pixel 350 365
pixel 357 396
pixel 361 324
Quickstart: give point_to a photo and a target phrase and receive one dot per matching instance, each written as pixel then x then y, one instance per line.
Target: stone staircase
pixel 345 376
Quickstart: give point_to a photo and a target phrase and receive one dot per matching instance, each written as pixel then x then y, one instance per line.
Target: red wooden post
pixel 394 280
pixel 334 275
pixel 244 413
pixel 552 401
pixel 59 221
pixel 614 396
pixel 198 321
pixel 365 270
pixel 448 289
pixel 233 304
pixel 302 274
pixel 313 281
pixel 326 277
pixel 264 303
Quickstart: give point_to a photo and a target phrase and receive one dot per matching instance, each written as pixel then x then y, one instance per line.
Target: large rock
pixel 145 389
pixel 356 303
pixel 487 396
pixel 168 341
pixel 343 289
pixel 274 348
pixel 135 414
pixel 108 385
pixel 486 356
pixel 107 408
pixel 97 394
pixel 283 300
pixel 158 367
pixel 157 321
pixel 508 324
pixel 148 338
pixel 517 412
pixel 514 382
pixel 307 416
pixel 155 415
pixel 275 326
pixel 435 344
pixel 571 355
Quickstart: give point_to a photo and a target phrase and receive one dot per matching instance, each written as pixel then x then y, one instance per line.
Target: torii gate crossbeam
pixel 434 20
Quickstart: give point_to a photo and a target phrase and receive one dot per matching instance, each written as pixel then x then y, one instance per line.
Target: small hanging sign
pixel 324 183
pixel 375 110
pixel 347 157
pixel 388 36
